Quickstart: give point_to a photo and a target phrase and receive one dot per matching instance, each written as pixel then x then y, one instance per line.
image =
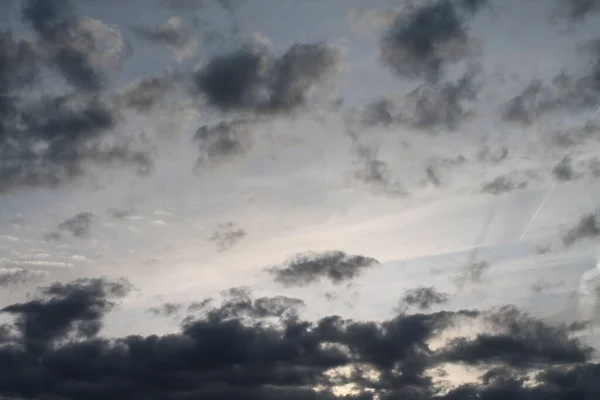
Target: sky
pixel 259 199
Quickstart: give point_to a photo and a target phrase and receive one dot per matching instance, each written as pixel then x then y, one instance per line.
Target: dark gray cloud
pixel 58 140
pixel 424 298
pixel 253 80
pixel 53 351
pixel 588 227
pixel 519 340
pixel 238 303
pixel 223 141
pixel 227 235
pixel 565 171
pixel 424 37
pixel 51 140
pixel 64 311
pixel 335 266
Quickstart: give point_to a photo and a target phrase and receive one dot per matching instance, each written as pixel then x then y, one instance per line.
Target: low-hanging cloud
pixel 238 350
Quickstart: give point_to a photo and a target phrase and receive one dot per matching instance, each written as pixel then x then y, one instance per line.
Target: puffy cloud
pixel 335 266
pixel 52 140
pixel 424 37
pixel 65 311
pixel 519 340
pixel 587 228
pixel 253 80
pixel 83 49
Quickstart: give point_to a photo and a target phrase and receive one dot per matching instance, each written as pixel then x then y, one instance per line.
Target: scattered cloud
pixel 172 34
pixel 587 228
pixel 519 340
pixel 564 170
pixel 472 273
pixel 253 80
pixel 335 266
pixel 167 309
pixel 543 285
pixel 423 38
pixel 17 276
pixel 423 298
pixel 83 49
pixel 223 141
pixel 79 225
pixel 504 184
pixel 227 235
pixel 565 93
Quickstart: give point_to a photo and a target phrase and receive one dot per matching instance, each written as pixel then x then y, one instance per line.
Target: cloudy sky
pixel 262 199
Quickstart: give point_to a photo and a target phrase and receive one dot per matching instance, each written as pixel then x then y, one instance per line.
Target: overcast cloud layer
pixel 305 200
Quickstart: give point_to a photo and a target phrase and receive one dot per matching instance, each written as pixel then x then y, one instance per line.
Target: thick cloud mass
pixel 53 351
pixel 76 91
pixel 336 266
pixel 64 311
